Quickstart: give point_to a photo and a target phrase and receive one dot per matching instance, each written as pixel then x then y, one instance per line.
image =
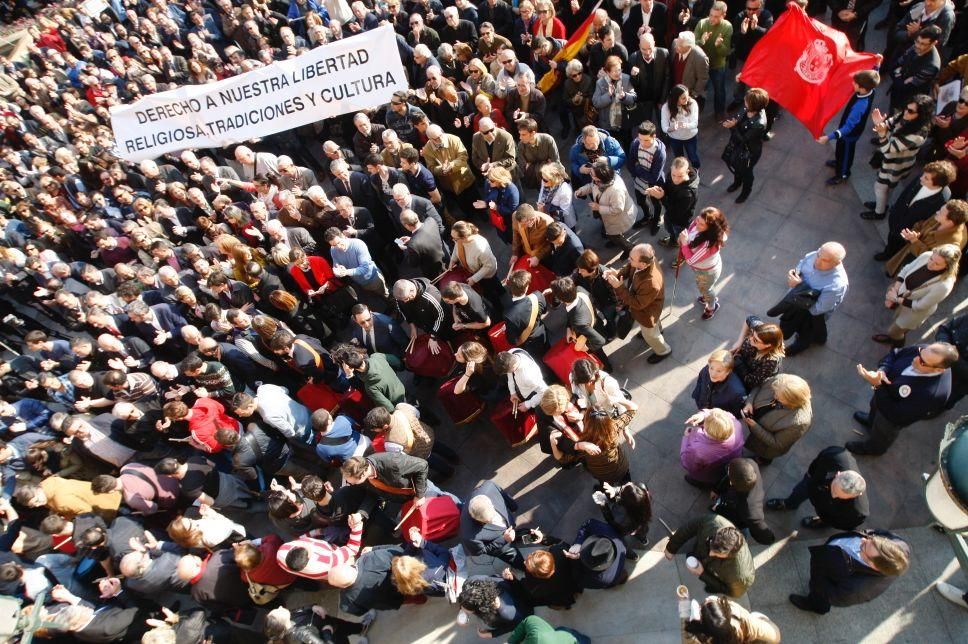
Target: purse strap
pixel 532 320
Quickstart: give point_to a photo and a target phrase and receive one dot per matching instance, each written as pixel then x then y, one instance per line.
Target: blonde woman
pixel 777 413
pixel 718 385
pixel 473 253
pixel 479 81
pixel 555 195
pixel 502 198
pixel 917 291
pixel 548 24
pixel 559 414
pixel 712 439
pixel 423 570
pixel 209 532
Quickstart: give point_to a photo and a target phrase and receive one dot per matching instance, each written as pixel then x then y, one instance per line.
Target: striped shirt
pixel 323 556
pixel 644 159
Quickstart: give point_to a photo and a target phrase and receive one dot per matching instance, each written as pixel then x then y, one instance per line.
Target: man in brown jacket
pixel 528 236
pixel 640 288
pixel 493 146
pixel 446 158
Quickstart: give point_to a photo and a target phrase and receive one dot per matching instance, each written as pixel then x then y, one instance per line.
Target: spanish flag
pixel 569 51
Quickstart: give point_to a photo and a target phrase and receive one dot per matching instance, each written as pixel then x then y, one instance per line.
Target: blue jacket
pixel 31 411
pixel 342 429
pixel 506 199
pixel 610 147
pixel 855 116
pixel 654 174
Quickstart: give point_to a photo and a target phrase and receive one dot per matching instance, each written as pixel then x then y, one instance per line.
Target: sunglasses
pixel 486 132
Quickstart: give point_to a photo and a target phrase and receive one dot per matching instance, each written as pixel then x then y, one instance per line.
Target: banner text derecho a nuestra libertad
pixel 348 75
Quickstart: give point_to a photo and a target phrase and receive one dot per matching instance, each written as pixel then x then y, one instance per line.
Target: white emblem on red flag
pixel 815 62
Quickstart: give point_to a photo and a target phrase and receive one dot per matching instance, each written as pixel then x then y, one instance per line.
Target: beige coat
pixel 459 178
pixel 924 299
pixel 503 152
pixel 615 205
pixel 779 429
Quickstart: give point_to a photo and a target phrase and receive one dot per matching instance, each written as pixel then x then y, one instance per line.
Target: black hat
pixel 598 553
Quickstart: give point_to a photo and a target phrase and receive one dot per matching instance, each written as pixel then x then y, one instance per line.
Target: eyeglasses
pixel 507 62
pixel 486 132
pixel 414 24
pixel 543 11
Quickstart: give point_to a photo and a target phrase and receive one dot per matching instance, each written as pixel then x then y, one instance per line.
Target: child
pixel 852 125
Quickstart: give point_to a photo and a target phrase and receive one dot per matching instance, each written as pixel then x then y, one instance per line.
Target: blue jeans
pixel 717 78
pixel 688 149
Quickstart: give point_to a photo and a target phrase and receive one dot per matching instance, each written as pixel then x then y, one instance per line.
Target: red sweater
pixel 320 269
pixel 557 28
pixel 208 416
pixel 269 571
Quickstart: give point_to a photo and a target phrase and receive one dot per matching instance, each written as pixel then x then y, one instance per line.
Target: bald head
pixel 342 576
pixel 188 567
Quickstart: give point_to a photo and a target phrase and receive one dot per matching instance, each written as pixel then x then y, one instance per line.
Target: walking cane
pixel 675 287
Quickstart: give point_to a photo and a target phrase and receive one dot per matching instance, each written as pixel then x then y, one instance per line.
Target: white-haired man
pixel 834 487
pixel 823 271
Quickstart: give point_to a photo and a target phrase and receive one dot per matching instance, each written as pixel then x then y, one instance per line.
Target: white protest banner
pixel 345 76
pixel 94 8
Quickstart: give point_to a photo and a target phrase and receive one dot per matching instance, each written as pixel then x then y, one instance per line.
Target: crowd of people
pixel 227 372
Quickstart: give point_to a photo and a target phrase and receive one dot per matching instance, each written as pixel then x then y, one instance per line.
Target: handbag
pixel 623 324
pixel 261 594
pixel 736 156
pixel 420 361
pixel 799 298
pixel 497 220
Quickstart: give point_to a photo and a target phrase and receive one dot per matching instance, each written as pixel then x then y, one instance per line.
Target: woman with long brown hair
pixel 758 352
pixel 699 247
pixel 295 314
pixel 611 463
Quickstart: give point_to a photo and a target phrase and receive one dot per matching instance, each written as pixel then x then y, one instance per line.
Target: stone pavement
pixel 790 213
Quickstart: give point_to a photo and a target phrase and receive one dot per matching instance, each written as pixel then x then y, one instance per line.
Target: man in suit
pixel 229 293
pixel 535 149
pixel 640 289
pixel 648 13
pixel 243 369
pixel 526 102
pixel 648 68
pixel 423 249
pixel 748 27
pixel 834 487
pixel 725 562
pixel 910 384
pixel 853 568
pixel 583 321
pixel 456 30
pixel 690 66
pixel 422 207
pixel 492 146
pixel 368 138
pixel 920 199
pixel 523 317
pixel 566 248
pixel 378 333
pixel 382 179
pixel 739 498
pixel 293 177
pixel 352 184
pixel 487 525
pixel 174 69
pixel 158 325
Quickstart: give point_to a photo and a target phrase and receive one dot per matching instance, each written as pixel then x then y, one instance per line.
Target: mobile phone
pixel 529 539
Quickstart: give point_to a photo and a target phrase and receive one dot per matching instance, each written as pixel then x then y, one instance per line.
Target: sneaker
pixel 708 314
pixel 952 593
pixel 368 618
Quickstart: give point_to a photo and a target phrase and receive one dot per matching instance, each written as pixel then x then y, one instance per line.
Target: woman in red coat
pixel 548 24
pixel 312 274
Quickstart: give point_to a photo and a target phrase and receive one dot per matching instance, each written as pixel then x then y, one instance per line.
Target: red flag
pixel 806 66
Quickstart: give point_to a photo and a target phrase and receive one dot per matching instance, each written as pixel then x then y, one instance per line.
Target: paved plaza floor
pixel 790 213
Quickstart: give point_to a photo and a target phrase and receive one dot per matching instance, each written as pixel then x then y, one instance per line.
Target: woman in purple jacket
pixel 713 437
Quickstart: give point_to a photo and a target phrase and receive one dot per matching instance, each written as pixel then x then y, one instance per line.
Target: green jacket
pixel 534 630
pixel 717 55
pixel 381 383
pixel 731 576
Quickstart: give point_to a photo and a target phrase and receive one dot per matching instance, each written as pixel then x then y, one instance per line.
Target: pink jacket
pixel 705 458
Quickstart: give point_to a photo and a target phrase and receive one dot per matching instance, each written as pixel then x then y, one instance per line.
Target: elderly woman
pixel 721 619
pixel 712 439
pixel 758 352
pixel 917 291
pixel 946 227
pixel 778 413
pixel 480 81
pixel 555 194
pixel 611 202
pixel 614 98
pixel 718 386
pixel 501 196
pixel 577 92
pixel 486 110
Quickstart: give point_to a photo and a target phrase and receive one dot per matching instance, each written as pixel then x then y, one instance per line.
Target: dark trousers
pixel 810 329
pixel 442 460
pixel 883 432
pixel 959 382
pixel 844 156
pixel 651 207
pixel 799 494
